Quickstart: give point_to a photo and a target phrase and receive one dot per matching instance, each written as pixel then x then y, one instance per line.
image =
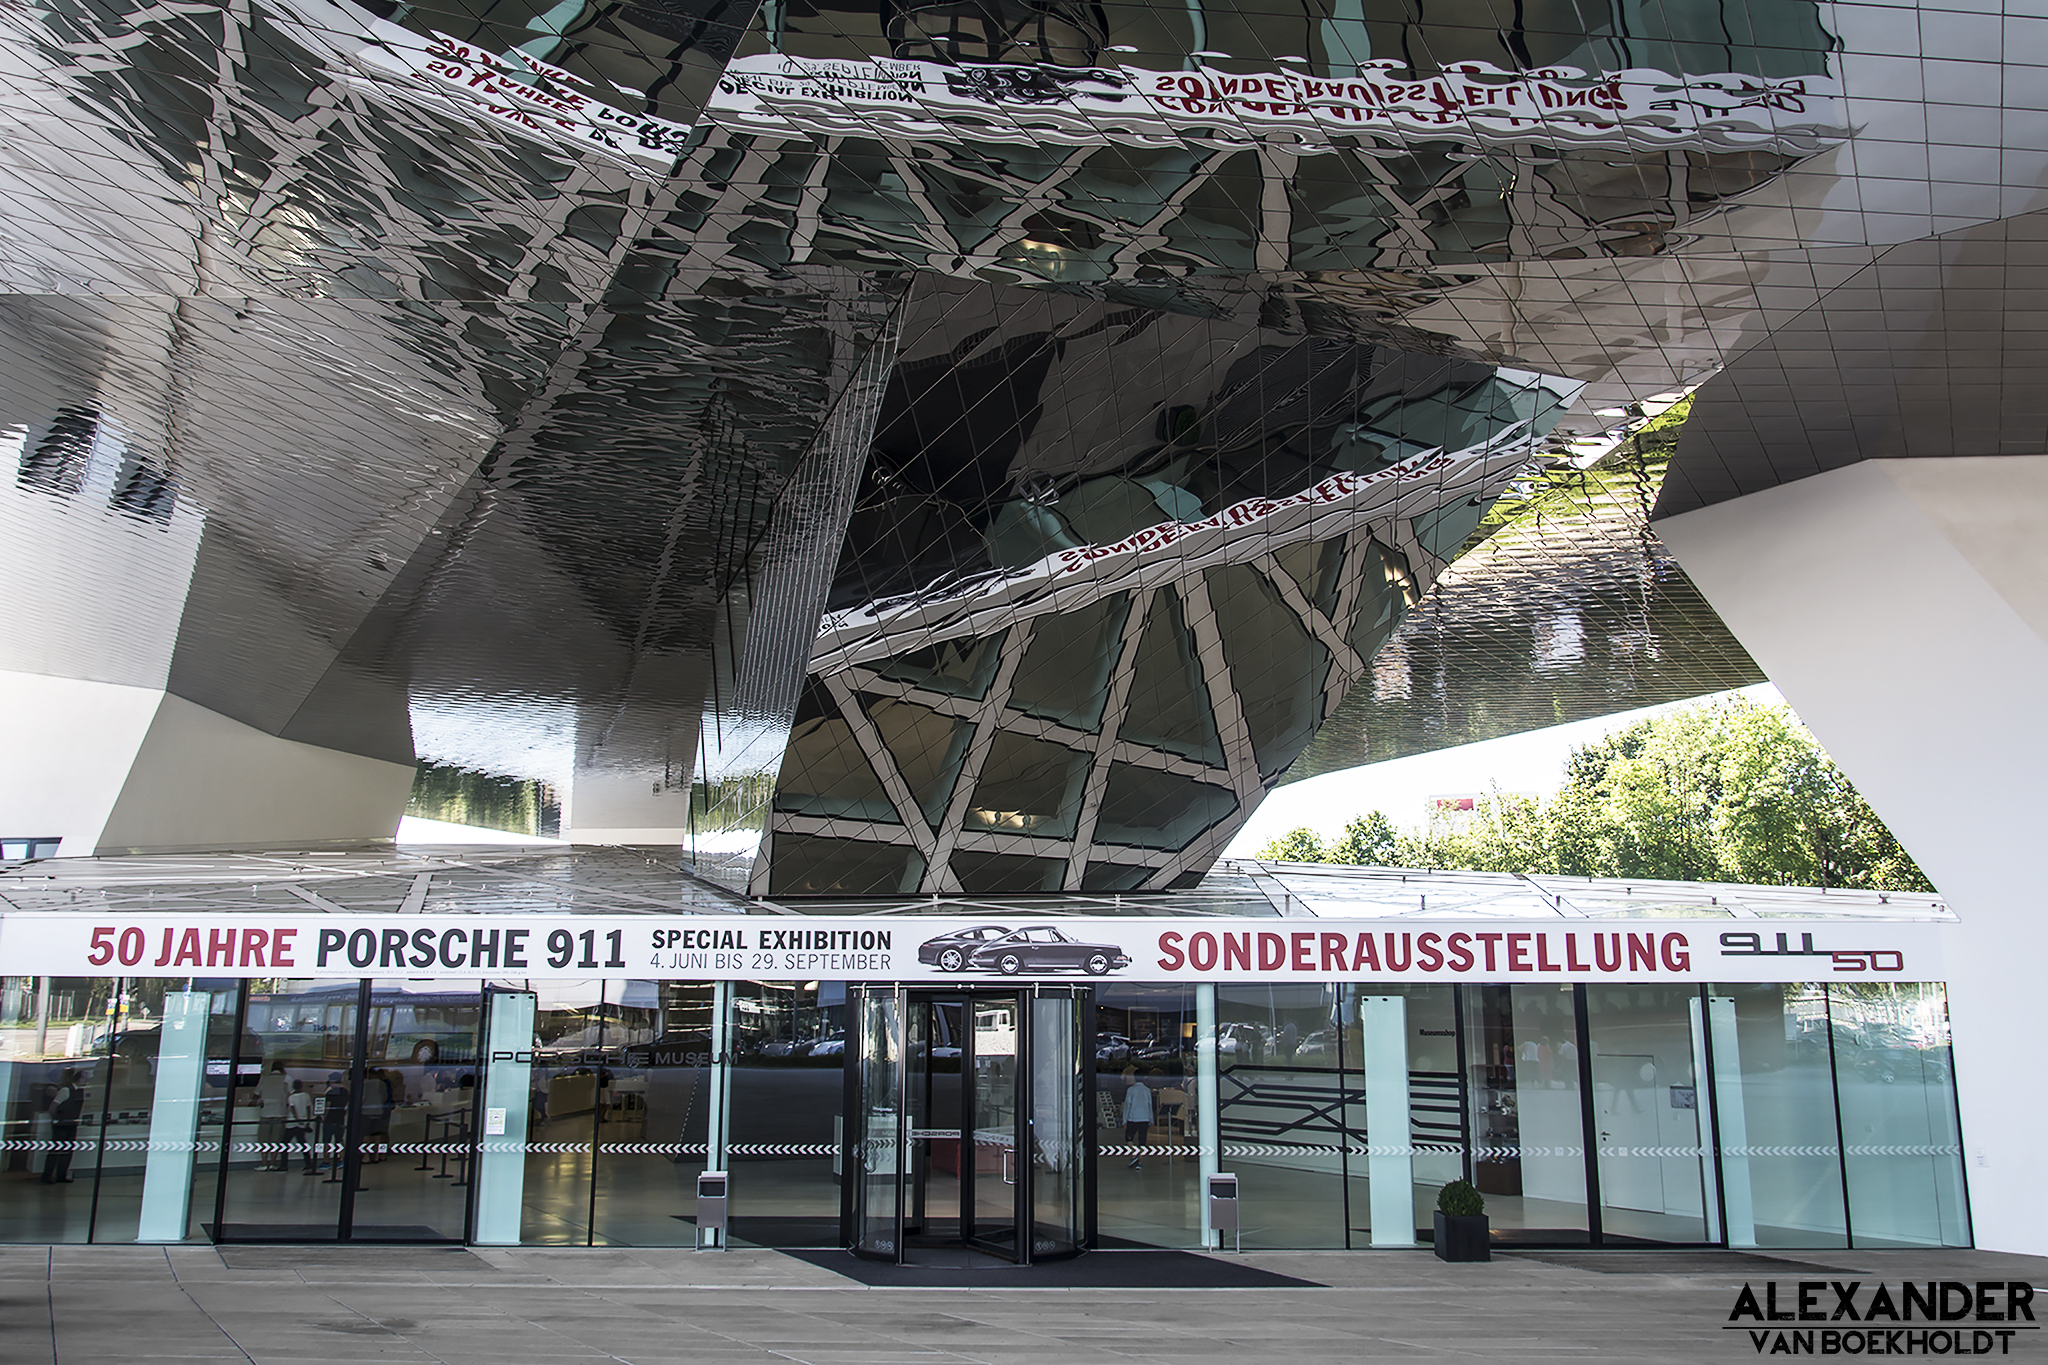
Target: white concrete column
pixel 1902 608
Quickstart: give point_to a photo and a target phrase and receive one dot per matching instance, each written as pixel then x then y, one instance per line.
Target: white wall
pixel 114 769
pixel 624 808
pixel 1897 605
pixel 203 781
pixel 65 752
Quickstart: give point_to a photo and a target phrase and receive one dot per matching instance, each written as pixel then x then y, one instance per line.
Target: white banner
pixel 1472 102
pixel 932 949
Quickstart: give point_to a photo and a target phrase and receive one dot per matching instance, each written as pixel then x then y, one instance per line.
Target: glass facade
pixel 1746 1115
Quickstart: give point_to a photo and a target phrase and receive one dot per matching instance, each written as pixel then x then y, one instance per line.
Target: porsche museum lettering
pixel 939 948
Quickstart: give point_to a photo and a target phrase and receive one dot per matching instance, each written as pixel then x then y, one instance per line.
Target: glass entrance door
pixel 966 1124
pixel 358 1118
pixel 993 1196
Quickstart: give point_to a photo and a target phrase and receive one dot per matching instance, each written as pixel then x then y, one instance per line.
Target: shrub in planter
pixel 1462 1232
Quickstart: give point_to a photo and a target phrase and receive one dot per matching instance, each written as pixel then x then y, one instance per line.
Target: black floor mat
pixel 344 1256
pixel 315 1234
pixel 777 1232
pixel 1097 1270
pixel 1671 1261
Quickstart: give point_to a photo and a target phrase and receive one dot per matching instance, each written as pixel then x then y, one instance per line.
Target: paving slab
pixel 300 1305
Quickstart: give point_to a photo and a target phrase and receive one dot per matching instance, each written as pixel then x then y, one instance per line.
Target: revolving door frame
pixel 856 1148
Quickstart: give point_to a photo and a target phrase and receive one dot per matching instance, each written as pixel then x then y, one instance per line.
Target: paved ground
pixel 92 1305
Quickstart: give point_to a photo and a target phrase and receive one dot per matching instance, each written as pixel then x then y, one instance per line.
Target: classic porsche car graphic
pixel 1036 948
pixel 949 952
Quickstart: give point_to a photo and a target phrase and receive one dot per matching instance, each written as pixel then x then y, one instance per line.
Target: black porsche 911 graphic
pixel 1036 948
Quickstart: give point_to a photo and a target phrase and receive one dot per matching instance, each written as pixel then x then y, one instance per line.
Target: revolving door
pixel 966 1125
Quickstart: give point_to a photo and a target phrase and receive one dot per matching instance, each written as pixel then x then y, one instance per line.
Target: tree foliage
pixel 1729 791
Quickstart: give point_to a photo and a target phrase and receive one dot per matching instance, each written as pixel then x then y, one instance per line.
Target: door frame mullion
pixel 351 1155
pixel 1023 1129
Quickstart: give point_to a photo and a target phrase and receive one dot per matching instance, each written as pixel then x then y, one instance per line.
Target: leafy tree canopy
pixel 1724 791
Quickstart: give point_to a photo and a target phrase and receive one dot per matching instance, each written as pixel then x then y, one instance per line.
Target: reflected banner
pixel 935 949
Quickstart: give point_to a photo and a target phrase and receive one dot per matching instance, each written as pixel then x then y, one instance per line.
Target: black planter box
pixel 1462 1239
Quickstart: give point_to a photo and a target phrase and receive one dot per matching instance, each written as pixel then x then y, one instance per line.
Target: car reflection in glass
pixel 1037 948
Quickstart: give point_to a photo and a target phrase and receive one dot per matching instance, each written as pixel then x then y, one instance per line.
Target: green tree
pixel 1368 841
pixel 1728 791
pixel 1295 846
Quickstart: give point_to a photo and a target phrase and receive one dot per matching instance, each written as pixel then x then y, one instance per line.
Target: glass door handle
pixel 1009 1166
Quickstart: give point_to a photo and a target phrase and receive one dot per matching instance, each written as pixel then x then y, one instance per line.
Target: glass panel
pixel 1900 1139
pixel 1277 667
pixel 285 1179
pixel 655 1127
pixel 993 1123
pixel 935 1108
pixel 1147 808
pixel 1383 598
pixel 1168 707
pixel 1528 1130
pixel 1774 1108
pixel 1284 1093
pixel 1655 1172
pixel 1148 1172
pixel 824 769
pixel 54 1036
pixel 877 1202
pixel 811 865
pixel 419 1084
pixel 928 748
pixel 166 1109
pixel 1057 1156
pixel 1006 872
pixel 1028 786
pixel 1064 675
pixel 918 1117
pixel 562 1114
pixel 788 1092
pixel 961 667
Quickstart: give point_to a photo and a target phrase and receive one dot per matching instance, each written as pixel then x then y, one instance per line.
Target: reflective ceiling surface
pixel 514 385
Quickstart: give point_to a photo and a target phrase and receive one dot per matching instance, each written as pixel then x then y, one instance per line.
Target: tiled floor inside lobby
pixel 306 1305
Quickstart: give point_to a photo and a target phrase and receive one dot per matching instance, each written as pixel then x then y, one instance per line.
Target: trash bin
pixel 1223 1206
pixel 711 1205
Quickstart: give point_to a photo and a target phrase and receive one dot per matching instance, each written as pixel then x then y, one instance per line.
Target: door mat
pixel 769 1230
pixel 1096 1270
pixel 1675 1261
pixel 341 1256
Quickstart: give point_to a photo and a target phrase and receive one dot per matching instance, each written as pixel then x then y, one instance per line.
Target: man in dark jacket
pixel 67 1102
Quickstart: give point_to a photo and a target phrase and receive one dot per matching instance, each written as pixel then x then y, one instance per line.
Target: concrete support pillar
pixel 1902 608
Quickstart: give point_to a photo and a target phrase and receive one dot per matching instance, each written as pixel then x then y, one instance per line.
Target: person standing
pixel 332 1108
pixel 1138 1118
pixel 273 1095
pixel 298 1125
pixel 67 1102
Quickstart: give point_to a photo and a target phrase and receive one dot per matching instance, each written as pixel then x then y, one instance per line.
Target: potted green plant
pixel 1461 1228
